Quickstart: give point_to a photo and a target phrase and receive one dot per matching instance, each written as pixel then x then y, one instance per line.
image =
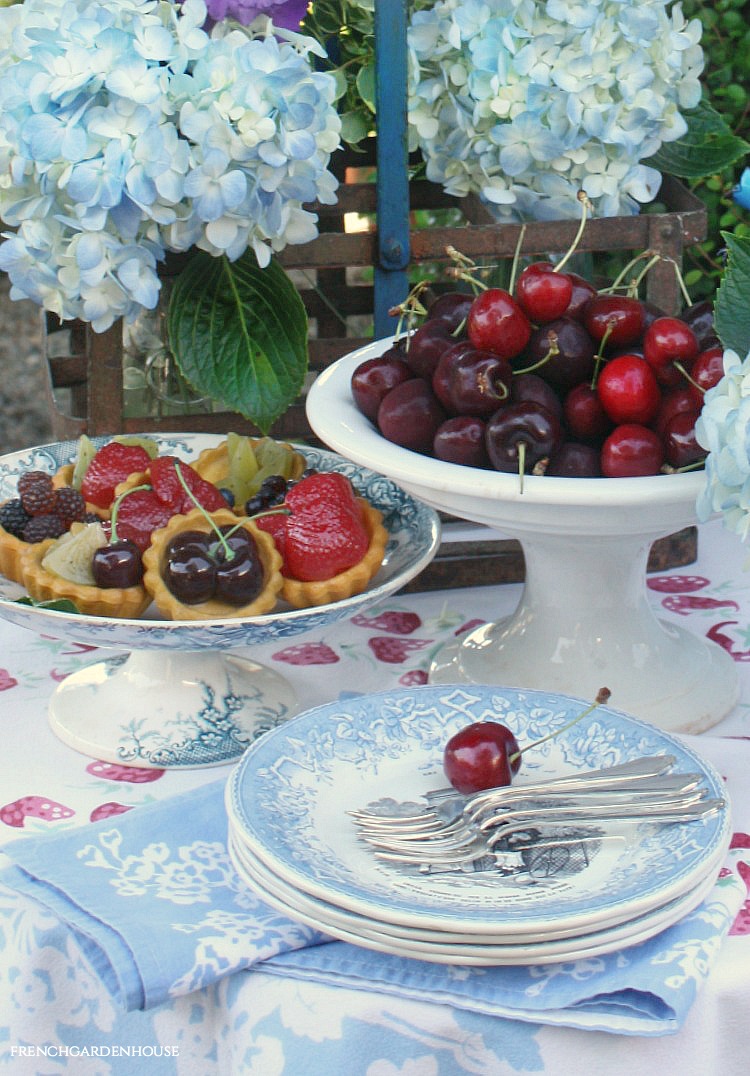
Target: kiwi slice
pixel 147 443
pixel 70 557
pixel 84 456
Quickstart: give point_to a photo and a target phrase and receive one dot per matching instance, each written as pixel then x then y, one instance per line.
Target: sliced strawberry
pixel 169 489
pixel 140 513
pixel 111 465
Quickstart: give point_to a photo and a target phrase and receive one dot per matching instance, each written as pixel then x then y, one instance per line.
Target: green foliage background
pixel 726 82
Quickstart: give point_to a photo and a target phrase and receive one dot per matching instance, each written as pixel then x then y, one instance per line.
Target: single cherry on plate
pixel 486 754
pixel 410 414
pixel 375 377
pixel 462 439
pixel 669 346
pixel 520 435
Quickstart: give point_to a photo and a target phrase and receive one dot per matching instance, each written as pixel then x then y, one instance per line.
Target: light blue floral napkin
pixel 156 904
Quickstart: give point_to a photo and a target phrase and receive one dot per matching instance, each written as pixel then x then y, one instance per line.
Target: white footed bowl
pixel 584 620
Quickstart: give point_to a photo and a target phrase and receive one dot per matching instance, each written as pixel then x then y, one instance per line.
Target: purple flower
pixel 285 13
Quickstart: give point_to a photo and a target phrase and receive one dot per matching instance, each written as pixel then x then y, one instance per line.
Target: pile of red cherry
pixel 554 378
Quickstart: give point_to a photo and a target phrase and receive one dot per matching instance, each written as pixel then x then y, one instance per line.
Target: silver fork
pixel 446 803
pixel 633 793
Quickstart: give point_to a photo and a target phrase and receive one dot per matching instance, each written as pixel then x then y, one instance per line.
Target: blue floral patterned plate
pixel 289 797
pixel 414 532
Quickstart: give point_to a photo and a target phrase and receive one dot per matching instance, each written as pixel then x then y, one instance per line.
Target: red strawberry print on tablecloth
pixel 413 678
pixel 113 771
pixel 396 621
pixel 16 813
pixel 684 604
pixel 677 584
pixel 307 654
pixel 741 923
pixel 7 681
pixel 108 810
pixel 717 635
pixel 469 626
pixel 395 650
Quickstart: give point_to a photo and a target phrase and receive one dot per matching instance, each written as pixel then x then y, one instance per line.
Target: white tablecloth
pixel 57 1016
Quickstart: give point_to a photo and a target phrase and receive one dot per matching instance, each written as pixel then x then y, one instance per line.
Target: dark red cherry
pixel 461 439
pixel 583 290
pixel 632 451
pixel 534 388
pixel 666 342
pixel 706 371
pixel 700 318
pixel 583 414
pixel 118 565
pixel 452 307
pixel 425 346
pixel 239 580
pixel 190 574
pixel 575 460
pixel 628 390
pixel 561 352
pixel 375 377
pixel 482 755
pixel 497 323
pixel 681 448
pixel 542 293
pixel 468 381
pixel 520 435
pixel 674 401
pixel 410 415
pixel 618 318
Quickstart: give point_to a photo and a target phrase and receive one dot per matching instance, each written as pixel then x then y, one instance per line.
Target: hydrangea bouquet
pixel 129 130
pixel 526 102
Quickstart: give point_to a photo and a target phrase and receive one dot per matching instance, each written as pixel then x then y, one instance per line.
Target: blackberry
pixel 70 505
pixel 91 517
pixel 14 517
pixel 32 478
pixel 38 498
pixel 43 526
pixel 227 495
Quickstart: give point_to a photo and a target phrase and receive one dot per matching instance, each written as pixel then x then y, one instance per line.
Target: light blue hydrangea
pixel 127 130
pixel 527 102
pixel 723 429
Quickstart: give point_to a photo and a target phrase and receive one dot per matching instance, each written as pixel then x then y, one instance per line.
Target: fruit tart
pixel 38 512
pixel 211 566
pixel 97 472
pixel 332 542
pixel 63 567
pixel 242 467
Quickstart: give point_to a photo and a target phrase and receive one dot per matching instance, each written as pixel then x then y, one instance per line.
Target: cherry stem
pixel 602 696
pixel 599 357
pixel 681 281
pixel 516 259
pixel 521 464
pixel 636 281
pixel 686 374
pixel 116 509
pixel 552 351
pixel 585 207
pixel 228 551
pixel 617 282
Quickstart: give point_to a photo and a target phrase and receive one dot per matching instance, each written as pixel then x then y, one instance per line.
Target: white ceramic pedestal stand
pixel 172 709
pixel 584 620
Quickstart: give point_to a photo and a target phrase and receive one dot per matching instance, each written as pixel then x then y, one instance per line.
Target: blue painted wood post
pixel 391 279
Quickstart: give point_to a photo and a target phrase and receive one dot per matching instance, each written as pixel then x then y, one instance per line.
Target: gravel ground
pixel 24 410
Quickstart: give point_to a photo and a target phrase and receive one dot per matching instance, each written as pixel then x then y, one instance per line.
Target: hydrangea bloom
pixel 723 428
pixel 526 102
pixel 127 130
pixel 285 13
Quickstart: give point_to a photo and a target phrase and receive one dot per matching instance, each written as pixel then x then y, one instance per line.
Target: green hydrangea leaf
pixel 731 308
pixel 708 146
pixel 239 334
